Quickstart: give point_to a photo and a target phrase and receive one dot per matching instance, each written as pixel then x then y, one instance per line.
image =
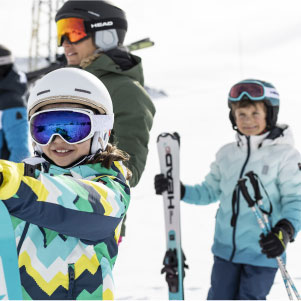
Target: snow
pixel 201 49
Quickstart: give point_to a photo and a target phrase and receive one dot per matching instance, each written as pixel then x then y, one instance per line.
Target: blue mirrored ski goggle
pixel 253 90
pixel 72 125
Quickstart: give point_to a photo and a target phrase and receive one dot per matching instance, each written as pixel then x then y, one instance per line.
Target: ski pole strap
pixel 234 203
pixel 254 181
pixel 244 190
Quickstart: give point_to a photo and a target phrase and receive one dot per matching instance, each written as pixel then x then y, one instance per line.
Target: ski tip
pixel 174 135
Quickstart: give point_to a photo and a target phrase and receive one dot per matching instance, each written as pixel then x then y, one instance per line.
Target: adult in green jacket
pixel 92 34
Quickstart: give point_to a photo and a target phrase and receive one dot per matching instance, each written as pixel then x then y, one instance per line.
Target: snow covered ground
pixel 202 48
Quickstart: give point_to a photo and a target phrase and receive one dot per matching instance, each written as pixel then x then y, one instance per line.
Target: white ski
pixel 168 150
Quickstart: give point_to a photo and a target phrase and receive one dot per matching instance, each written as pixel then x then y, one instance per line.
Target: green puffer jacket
pixel 133 109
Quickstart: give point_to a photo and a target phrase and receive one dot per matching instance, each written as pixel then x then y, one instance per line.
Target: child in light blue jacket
pixel 244 259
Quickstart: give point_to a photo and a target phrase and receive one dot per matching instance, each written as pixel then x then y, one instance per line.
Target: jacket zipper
pixel 238 194
pixel 71 281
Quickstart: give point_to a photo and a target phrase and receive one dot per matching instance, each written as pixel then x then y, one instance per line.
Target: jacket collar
pixel 79 172
pixel 281 134
pixel 104 64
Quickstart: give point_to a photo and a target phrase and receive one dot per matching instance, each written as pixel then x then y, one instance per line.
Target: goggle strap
pixel 103 122
pixel 271 92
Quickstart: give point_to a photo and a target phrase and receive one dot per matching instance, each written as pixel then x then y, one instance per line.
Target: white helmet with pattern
pixel 76 86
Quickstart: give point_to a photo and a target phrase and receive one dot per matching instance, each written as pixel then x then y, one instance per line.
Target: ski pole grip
pixel 254 181
pixel 244 191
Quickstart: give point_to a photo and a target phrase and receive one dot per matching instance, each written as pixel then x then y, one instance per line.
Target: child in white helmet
pixel 67 203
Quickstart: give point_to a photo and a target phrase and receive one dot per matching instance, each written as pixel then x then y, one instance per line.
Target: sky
pixel 202 47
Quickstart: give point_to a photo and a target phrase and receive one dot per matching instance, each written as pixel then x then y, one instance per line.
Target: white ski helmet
pixel 74 85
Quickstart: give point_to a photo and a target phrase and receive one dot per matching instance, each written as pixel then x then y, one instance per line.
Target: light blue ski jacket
pixel 277 163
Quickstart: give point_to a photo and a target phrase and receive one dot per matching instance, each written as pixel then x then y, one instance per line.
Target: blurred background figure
pixel 13 117
pixel 92 35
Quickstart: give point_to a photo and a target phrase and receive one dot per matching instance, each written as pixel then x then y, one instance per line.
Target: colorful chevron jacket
pixel 67 224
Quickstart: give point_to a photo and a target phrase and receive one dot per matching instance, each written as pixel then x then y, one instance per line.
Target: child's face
pixel 61 152
pixel 251 120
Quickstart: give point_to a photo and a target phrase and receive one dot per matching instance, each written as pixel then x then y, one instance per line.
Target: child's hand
pixel 161 183
pixel 275 242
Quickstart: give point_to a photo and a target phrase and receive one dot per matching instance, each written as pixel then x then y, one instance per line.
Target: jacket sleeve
pixel 87 209
pixel 134 112
pixel 289 183
pixel 15 129
pixel 206 193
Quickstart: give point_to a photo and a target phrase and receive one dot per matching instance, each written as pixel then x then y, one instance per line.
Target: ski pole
pixel 258 199
pixel 265 227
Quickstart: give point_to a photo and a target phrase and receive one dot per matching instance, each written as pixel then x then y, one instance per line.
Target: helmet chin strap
pixel 99 142
pixel 37 149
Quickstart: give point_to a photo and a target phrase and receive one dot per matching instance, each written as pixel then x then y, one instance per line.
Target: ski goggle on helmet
pixel 77 29
pixel 72 28
pixel 254 90
pixel 73 125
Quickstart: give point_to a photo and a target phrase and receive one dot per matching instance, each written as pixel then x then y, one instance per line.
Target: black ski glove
pixel 161 185
pixel 275 242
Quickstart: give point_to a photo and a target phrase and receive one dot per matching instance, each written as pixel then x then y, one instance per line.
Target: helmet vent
pixel 43 92
pixel 80 9
pixel 87 11
pixel 81 90
pixel 93 13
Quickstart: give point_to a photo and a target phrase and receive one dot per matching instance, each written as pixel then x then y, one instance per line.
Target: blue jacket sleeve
pixel 206 193
pixel 15 130
pixel 289 183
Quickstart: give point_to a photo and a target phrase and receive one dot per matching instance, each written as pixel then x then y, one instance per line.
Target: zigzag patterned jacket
pixel 67 224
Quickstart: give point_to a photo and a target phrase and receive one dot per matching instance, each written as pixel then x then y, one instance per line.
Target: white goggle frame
pixel 99 123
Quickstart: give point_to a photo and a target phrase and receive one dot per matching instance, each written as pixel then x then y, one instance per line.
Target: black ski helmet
pixel 106 22
pixel 6 61
pixel 270 99
pixel 6 57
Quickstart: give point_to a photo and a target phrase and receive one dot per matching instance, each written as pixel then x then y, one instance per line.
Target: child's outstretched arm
pixel 206 193
pixel 87 209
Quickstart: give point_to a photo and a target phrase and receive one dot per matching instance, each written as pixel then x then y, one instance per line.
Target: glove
pixel 12 174
pixel 274 243
pixel 161 185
